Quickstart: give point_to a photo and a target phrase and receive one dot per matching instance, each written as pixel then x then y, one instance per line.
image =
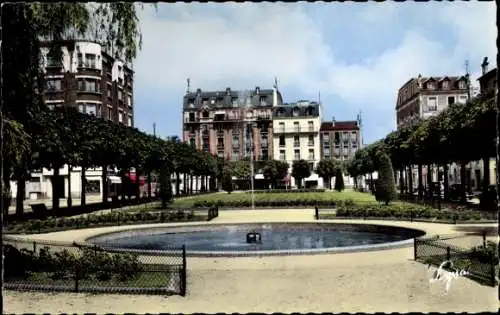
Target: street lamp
pixel 252 171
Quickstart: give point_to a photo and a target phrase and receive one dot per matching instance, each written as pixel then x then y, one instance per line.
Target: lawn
pixel 357 197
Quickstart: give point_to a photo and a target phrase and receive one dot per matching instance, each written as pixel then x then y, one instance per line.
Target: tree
pixel 227 180
pixel 300 170
pixel 339 180
pixel 275 170
pixel 385 190
pixel 326 170
pixel 165 187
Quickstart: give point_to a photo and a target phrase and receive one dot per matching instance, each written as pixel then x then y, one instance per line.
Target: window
pixel 265 154
pixel 192 142
pixel 296 154
pixel 129 100
pixel 236 141
pixel 53 61
pixel 90 61
pixel 191 117
pixel 295 112
pixel 110 113
pixel 262 101
pixel 282 155
pixel 461 84
pixel 236 155
pixel 129 121
pixel 91 109
pixel 310 141
pixel 282 126
pixel 311 155
pixel 120 116
pixel 445 84
pixel 120 95
pixel 80 60
pixel 91 85
pixel 80 108
pixel 50 106
pixel 108 91
pixel 431 104
pixel 296 126
pixel 205 114
pixel 54 85
pixel 431 86
pixel 310 125
pixel 311 166
pixel 326 152
pixel 296 141
pixel 282 141
pixel 451 100
pixel 462 99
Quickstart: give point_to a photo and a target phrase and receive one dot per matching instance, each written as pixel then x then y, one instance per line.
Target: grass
pixel 155 276
pixel 357 197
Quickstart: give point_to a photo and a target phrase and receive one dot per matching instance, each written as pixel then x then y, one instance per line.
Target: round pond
pixel 277 238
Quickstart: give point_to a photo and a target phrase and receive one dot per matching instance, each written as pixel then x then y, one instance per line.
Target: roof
pixel 339 125
pixel 488 74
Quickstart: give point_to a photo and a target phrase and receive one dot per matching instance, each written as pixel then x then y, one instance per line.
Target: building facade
pixel 296 135
pixel 88 78
pixel 340 139
pixel 423 97
pixel 231 124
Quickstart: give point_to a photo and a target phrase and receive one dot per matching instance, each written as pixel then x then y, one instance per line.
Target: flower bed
pixel 108 219
pixel 266 203
pixel 290 191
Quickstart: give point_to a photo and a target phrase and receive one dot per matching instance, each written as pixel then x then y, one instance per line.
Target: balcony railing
pixel 236 144
pixel 310 143
pixel 282 158
pixel 293 130
pixel 264 144
pixel 220 146
pixel 311 158
pixel 296 143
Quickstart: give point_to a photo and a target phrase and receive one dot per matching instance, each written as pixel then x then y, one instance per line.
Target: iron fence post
pixel 415 248
pixel 448 253
pixel 34 247
pixel 316 212
pixel 492 266
pixel 183 272
pixel 484 238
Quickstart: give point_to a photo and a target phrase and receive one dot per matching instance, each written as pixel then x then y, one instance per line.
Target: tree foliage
pixel 326 169
pixel 274 171
pixel 385 190
pixel 339 180
pixel 300 170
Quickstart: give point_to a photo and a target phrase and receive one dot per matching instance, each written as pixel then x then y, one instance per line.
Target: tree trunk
pixel 21 191
pixel 184 184
pixel 69 199
pixel 177 183
pixel 409 174
pixel 446 183
pixel 105 192
pixel 197 179
pixel 486 174
pixel 149 184
pixel 463 197
pixel 429 175
pixel 420 182
pixel 190 184
pixel 55 195
pixel 83 179
pixel 137 185
pixel 401 182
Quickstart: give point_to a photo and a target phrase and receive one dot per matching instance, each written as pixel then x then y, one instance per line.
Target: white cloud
pixel 245 45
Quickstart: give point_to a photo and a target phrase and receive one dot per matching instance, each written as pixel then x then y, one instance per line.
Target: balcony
pixel 264 144
pixel 293 130
pixel 220 146
pixel 205 134
pixel 310 157
pixel 296 144
pixel 236 145
pixel 296 157
pixel 87 65
pixel 310 143
pixel 282 145
pixel 220 133
pixel 282 158
pixel 264 117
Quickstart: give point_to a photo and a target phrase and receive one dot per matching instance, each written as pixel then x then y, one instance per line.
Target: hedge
pixel 291 191
pixel 408 211
pixel 108 219
pixel 266 203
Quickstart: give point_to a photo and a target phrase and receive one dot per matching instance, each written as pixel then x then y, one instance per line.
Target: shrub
pixel 385 190
pixel 227 180
pixel 488 199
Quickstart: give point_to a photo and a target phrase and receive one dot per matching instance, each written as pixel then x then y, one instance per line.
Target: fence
pixel 481 262
pixel 54 266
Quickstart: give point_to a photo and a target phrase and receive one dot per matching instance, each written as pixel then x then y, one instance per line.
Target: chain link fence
pixel 480 261
pixel 54 266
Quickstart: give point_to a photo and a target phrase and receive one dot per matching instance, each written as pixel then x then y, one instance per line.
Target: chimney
pixel 333 121
pixel 484 65
pixel 275 96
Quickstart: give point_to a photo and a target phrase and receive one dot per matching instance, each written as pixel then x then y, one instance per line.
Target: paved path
pixel 382 281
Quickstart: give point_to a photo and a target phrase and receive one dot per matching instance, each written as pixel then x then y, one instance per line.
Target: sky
pixel 355 55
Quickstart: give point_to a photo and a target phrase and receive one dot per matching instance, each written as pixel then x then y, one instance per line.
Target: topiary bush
pixel 385 189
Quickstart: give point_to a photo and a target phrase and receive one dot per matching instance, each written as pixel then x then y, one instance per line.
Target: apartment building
pixel 88 78
pixel 296 135
pixel 340 139
pixel 423 97
pixel 231 124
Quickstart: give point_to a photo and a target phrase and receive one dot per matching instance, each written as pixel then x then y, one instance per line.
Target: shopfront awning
pixel 114 180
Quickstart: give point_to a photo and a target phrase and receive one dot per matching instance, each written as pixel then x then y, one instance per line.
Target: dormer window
pixel 281 112
pixel 461 85
pixel 445 84
pixel 295 112
pixel 431 86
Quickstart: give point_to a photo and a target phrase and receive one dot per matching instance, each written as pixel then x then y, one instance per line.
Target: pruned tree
pixel 326 170
pixel 385 190
pixel 300 170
